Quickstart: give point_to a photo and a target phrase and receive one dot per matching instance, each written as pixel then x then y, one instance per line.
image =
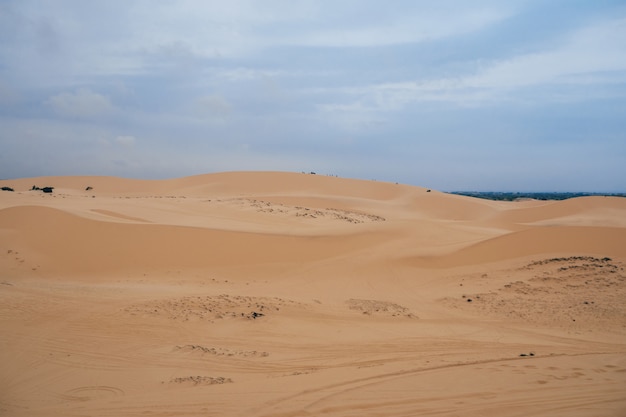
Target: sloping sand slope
pixel 285 294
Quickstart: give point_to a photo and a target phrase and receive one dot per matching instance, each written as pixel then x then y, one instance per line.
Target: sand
pixel 288 294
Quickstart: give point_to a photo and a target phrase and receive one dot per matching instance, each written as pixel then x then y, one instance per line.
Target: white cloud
pixel 292 78
pixel 593 55
pixel 118 39
pixel 84 103
pixel 355 117
pixel 213 108
pixel 8 94
pixel 123 38
pixel 246 74
pixel 126 141
pixel 599 48
pixel 209 29
pixel 411 28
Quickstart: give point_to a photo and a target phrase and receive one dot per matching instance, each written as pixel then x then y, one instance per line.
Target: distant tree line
pixel 512 196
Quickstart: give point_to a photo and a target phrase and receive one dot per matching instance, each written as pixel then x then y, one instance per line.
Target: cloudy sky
pixel 522 95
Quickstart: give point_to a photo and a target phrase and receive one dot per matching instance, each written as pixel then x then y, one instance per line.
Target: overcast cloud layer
pixel 454 95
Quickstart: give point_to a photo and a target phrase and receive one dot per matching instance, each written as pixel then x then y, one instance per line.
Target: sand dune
pixel 540 240
pixel 604 211
pixel 286 294
pixel 65 244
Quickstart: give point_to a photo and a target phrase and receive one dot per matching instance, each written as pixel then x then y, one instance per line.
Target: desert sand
pixel 289 294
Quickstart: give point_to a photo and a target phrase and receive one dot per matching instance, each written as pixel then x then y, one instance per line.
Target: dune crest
pixel 274 293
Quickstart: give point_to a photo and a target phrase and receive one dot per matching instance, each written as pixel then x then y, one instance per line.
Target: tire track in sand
pixel 269 408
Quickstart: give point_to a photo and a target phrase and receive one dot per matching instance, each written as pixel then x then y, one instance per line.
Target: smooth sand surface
pixel 286 294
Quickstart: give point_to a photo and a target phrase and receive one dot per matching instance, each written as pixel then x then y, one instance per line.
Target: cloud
pixel 212 107
pixel 594 55
pixel 83 104
pixel 594 49
pixel 437 23
pixel 8 95
pixel 245 84
pixel 126 141
pixel 245 74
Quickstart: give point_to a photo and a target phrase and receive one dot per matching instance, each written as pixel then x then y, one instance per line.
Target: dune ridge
pixel 539 240
pixel 279 294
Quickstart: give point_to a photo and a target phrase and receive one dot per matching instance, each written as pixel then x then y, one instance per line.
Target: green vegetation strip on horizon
pixel 512 196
